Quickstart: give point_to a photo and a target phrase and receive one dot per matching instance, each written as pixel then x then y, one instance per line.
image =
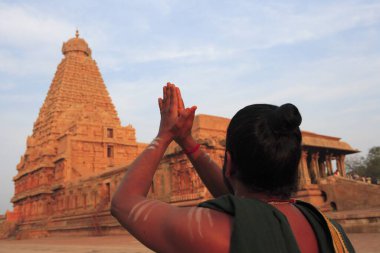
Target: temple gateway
pixel 78 153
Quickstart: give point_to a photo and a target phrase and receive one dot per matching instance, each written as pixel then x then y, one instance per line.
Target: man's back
pixel 301 228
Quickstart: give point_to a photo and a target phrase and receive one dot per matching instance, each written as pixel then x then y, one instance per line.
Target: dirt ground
pixel 363 243
pixel 103 244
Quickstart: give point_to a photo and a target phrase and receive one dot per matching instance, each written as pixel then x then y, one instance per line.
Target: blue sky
pixel 323 56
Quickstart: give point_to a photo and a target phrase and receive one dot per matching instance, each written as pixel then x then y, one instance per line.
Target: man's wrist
pixel 192 150
pixel 188 143
pixel 166 138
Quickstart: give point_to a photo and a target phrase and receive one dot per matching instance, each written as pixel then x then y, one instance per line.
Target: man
pixel 259 217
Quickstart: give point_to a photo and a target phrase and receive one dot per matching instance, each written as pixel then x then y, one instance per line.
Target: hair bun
pixel 285 119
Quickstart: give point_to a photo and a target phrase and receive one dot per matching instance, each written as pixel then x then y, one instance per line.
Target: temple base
pixel 313 194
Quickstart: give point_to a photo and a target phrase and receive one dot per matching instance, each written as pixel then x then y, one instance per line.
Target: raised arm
pixel 209 172
pixel 158 225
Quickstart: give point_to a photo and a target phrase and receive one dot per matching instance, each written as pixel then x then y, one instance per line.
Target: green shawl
pixel 259 227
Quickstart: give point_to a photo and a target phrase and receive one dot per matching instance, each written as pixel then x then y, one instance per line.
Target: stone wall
pixel 346 194
pixel 358 221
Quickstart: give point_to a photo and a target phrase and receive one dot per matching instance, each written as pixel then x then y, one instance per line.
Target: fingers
pixel 184 114
pixel 192 113
pixel 188 113
pixel 166 98
pixel 181 105
pixel 160 103
pixel 174 99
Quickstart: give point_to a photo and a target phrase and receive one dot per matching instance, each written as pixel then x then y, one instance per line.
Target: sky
pixel 322 56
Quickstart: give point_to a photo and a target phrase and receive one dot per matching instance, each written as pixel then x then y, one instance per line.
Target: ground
pixel 363 243
pixel 103 244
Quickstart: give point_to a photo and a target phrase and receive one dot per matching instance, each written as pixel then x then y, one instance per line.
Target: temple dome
pixel 76 45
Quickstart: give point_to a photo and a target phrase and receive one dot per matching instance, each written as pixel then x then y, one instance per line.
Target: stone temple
pixel 78 153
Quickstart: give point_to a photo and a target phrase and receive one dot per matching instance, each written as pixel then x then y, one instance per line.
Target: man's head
pixel 264 146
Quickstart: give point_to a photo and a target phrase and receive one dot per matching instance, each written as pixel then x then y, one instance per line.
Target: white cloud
pixel 363 107
pixel 26 27
pixel 329 79
pixel 5 86
pixel 270 25
pixel 200 54
pixel 31 62
pixel 29 39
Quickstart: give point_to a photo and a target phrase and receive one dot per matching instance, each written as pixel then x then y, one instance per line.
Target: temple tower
pixel 76 136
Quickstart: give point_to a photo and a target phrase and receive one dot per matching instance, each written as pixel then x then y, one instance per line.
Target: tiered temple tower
pixel 76 137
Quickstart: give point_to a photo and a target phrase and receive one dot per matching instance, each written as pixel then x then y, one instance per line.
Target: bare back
pixel 302 230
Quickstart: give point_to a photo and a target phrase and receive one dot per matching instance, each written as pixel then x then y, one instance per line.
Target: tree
pixel 373 163
pixel 365 167
pixel 355 164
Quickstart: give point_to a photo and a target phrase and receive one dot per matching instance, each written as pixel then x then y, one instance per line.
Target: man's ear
pixel 230 168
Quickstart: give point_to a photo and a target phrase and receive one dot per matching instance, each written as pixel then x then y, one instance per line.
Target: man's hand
pixel 176 120
pixel 176 124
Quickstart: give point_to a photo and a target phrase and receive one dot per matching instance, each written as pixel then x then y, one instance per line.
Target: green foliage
pixel 355 164
pixel 365 167
pixel 373 163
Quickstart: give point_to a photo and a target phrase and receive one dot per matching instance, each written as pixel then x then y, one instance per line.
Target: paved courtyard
pixel 363 243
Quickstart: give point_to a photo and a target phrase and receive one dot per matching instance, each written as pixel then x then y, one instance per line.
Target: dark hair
pixel 265 146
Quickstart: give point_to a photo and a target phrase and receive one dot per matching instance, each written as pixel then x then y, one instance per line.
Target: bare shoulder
pixel 167 228
pixel 197 229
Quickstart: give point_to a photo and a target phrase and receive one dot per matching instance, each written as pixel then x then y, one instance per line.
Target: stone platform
pixel 358 221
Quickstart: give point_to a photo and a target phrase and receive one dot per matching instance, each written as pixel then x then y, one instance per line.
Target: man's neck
pixel 242 192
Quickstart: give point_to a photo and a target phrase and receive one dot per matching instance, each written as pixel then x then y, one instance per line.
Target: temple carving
pixel 78 152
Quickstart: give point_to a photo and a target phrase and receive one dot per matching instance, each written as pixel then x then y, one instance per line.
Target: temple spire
pixel 76 87
pixel 76 45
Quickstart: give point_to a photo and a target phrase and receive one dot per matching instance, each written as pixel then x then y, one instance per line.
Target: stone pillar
pixel 338 166
pixel 322 167
pixel 329 165
pixel 85 200
pixel 341 165
pixel 67 202
pixel 29 208
pixel 303 170
pixel 315 165
pixel 95 198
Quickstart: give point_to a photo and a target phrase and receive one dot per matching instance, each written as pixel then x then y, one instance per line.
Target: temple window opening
pixel 109 133
pixel 109 151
